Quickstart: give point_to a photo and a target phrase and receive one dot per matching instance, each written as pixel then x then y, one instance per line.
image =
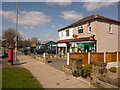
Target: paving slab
pixel 51 77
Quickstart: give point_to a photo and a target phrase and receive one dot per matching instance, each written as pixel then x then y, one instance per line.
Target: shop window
pixel 67 32
pixel 80 29
pixel 110 28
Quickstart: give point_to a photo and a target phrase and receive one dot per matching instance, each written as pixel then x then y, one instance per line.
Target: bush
pixel 113 69
pixel 86 70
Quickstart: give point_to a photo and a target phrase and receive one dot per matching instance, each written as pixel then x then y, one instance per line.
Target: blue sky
pixel 43 19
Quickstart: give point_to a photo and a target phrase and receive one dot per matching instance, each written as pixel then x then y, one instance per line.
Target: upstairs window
pixel 110 28
pixel 67 32
pixel 61 34
pixel 89 27
pixel 80 29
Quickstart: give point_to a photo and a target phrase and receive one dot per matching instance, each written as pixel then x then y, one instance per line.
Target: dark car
pixel 28 50
pixel 39 51
pixel 51 51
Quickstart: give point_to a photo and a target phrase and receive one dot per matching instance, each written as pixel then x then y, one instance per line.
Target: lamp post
pixel 16 40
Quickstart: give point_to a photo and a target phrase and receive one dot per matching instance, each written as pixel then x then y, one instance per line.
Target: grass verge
pixel 18 78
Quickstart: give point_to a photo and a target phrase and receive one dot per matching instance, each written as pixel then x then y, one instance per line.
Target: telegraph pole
pixel 16 38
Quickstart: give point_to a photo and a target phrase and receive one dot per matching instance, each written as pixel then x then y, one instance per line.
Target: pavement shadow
pixel 3 57
pixel 50 61
pixel 19 63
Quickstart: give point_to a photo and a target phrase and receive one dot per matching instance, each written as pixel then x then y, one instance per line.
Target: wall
pixel 105 40
pixel 85 30
pixel 64 34
pixel 118 38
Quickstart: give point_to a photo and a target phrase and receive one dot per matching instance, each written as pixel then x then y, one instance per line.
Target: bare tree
pixel 34 39
pixel 9 36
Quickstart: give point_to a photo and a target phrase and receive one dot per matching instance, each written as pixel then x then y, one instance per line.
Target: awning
pixel 64 41
pixel 82 39
pixel 62 44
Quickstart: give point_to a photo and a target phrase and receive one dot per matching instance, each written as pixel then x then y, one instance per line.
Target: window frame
pixel 110 29
pixel 67 32
pixel 89 27
pixel 61 33
pixel 80 28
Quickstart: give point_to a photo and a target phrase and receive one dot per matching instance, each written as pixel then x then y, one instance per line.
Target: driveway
pixel 57 63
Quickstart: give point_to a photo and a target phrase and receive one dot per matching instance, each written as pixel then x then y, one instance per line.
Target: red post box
pixel 10 55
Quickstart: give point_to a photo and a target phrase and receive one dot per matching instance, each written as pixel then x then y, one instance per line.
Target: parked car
pixel 51 51
pixel 39 51
pixel 28 50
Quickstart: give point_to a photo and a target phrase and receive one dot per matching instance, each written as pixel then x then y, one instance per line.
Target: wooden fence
pixel 102 57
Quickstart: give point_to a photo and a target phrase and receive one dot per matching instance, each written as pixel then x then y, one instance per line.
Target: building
pixel 94 33
pixel 51 45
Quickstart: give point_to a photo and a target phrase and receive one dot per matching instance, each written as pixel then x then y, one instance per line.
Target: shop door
pixel 86 49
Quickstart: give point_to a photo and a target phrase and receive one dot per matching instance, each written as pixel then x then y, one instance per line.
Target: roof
pixel 82 39
pixel 90 18
pixel 63 41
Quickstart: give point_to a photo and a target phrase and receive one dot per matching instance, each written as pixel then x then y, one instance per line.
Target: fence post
pixel 88 57
pixel 68 58
pixel 104 57
pixel 117 56
pixel 43 55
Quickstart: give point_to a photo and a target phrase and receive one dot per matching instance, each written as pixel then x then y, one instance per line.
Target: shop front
pixel 83 46
pixel 63 46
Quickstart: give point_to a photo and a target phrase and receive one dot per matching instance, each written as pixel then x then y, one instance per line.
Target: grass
pixel 18 78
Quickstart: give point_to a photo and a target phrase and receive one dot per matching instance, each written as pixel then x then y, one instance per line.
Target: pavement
pixel 51 77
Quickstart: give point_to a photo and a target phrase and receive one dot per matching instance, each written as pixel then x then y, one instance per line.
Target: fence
pixel 102 57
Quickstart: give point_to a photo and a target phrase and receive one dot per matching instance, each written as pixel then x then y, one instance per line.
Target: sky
pixel 44 19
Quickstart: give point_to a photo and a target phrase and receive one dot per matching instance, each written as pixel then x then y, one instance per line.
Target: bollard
pixel 10 55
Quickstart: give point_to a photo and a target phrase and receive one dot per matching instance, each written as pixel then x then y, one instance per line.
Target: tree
pixel 34 39
pixel 9 36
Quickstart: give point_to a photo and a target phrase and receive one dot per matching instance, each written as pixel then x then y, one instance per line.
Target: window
pixel 110 28
pixel 67 32
pixel 80 29
pixel 61 34
pixel 89 27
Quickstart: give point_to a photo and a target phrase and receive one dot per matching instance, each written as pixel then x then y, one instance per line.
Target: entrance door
pixel 86 49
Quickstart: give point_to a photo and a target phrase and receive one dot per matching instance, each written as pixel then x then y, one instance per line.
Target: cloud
pixel 71 15
pixel 27 17
pixel 48 34
pixel 28 27
pixel 59 2
pixel 0 12
pixel 53 26
pixel 91 6
pixel 61 25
